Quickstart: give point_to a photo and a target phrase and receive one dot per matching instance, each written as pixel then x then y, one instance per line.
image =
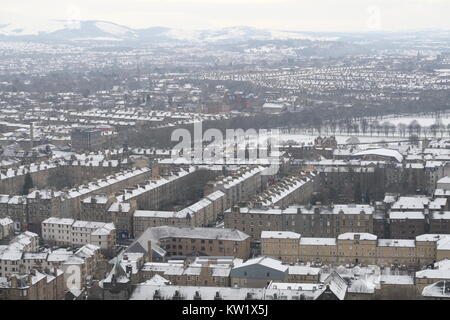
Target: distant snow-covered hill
pixel 237 34
pixel 107 31
pixel 67 30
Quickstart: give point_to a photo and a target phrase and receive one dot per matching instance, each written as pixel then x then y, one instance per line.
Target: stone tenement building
pixel 11 254
pixel 358 180
pixel 12 180
pixel 110 184
pixel 356 248
pixel 240 185
pixel 164 190
pixel 104 208
pixel 177 241
pixel 411 216
pixel 95 207
pixel 203 213
pixel 195 274
pixel 47 285
pixel 315 221
pixel 83 139
pixel 114 199
pixel 407 225
pixel 289 190
pixel 58 174
pixel 351 183
pixel 404 219
pixel 15 208
pixel 6 228
pixel 60 231
pixel 42 204
pixel 17 259
pixel 121 214
pixel 29 211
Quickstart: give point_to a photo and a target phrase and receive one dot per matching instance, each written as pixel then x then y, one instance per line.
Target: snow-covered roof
pixel 59 221
pixel 279 235
pixel 432 237
pixel 397 279
pixel 357 236
pixel 145 291
pixel 440 289
pixel 157 280
pixel 411 203
pixel 265 261
pixel 353 209
pixel 439 215
pixel 6 221
pixel 444 180
pixel 396 243
pixel 318 241
pixel 433 274
pixel 412 215
pixel 336 284
pixel 383 152
pixel 197 233
pixel 303 270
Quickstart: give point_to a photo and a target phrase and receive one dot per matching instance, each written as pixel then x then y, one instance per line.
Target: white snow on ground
pixel 339 139
pixel 423 121
pixel 309 139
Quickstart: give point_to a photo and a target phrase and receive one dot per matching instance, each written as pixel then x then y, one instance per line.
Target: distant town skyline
pixel 319 15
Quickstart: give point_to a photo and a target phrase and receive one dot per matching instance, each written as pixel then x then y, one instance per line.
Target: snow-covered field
pixel 423 121
pixel 283 138
pixel 309 139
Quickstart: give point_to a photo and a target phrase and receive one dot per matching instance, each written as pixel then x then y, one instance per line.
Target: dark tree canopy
pixel 28 184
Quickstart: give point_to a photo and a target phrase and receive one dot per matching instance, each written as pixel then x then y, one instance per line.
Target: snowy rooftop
pixel 153 214
pixel 198 233
pixel 433 274
pixel 318 241
pixel 265 261
pixel 413 215
pixel 60 221
pixel 5 221
pixel 396 243
pixel 357 236
pixel 397 279
pixel 353 209
pixel 383 152
pixel 279 235
pixel 411 203
pixel 303 270
pixel 444 180
pixel 432 237
pixel 440 289
pixel 146 291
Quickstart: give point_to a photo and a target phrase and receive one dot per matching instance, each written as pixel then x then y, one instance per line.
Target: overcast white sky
pixel 308 15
